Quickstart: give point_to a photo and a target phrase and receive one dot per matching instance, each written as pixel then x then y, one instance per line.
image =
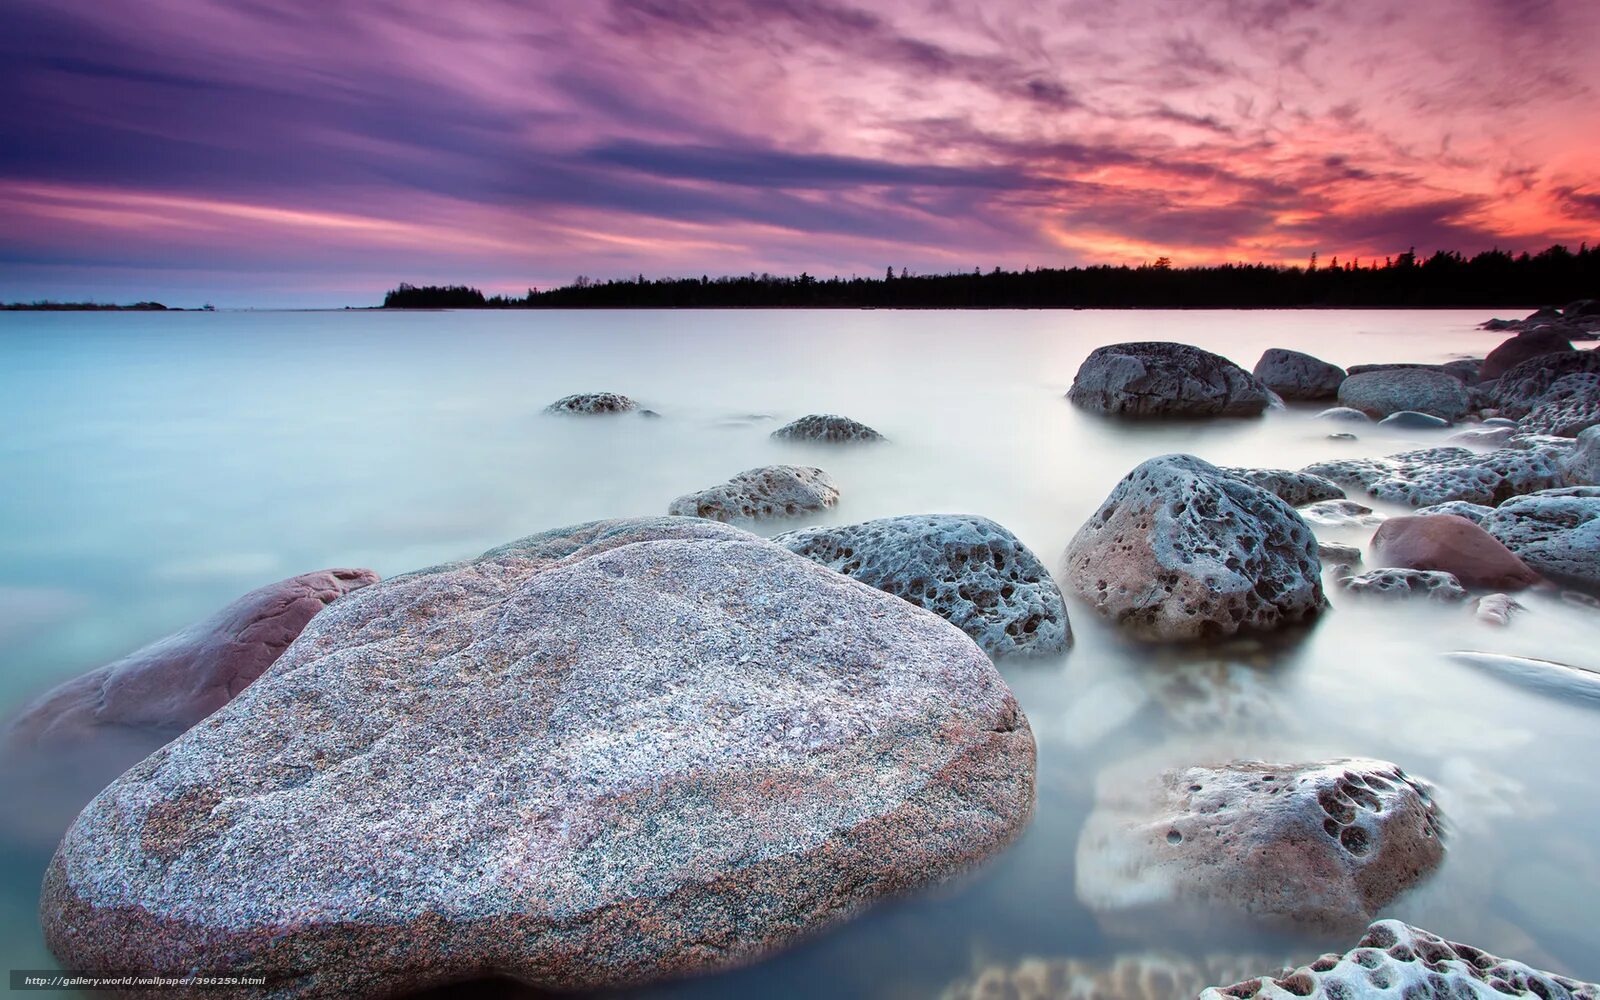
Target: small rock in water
pixel 1412 420
pixel 826 427
pixel 1294 375
pixel 770 491
pixel 1435 475
pixel 968 570
pixel 1343 436
pixel 1396 960
pixel 1162 379
pixel 1432 584
pixel 1323 845
pixel 1294 488
pixel 1340 513
pixel 1381 393
pixel 1344 414
pixel 1334 554
pixel 1183 550
pixel 1453 544
pixel 1556 532
pixel 1497 609
pixel 592 402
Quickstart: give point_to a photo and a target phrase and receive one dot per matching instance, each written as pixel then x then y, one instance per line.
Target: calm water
pixel 157 466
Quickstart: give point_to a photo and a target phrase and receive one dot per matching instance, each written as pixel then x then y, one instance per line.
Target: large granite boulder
pixel 1452 544
pixel 1393 959
pixel 1294 375
pixel 1529 344
pixel 597 756
pixel 1162 379
pixel 968 570
pixel 826 427
pixel 174 682
pixel 1436 475
pixel 1380 393
pixel 769 491
pixel 1184 550
pixel 1556 532
pixel 1519 390
pixel 1433 584
pixel 588 403
pixel 1294 488
pixel 1570 406
pixel 1323 845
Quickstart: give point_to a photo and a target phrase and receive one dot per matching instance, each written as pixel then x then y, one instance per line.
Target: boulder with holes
pixel 767 492
pixel 1435 585
pixel 1520 389
pixel 1294 488
pixel 1556 532
pixel 592 403
pixel 826 427
pixel 1431 476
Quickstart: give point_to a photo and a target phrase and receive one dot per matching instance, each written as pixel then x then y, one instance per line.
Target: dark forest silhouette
pixel 1492 278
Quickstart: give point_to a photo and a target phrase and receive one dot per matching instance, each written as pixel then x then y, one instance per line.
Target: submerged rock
pixel 1344 414
pixel 1380 393
pixel 1413 420
pixel 1453 544
pixel 1294 375
pixel 826 427
pixel 1294 488
pixel 1161 379
pixel 1562 680
pixel 1396 960
pixel 1437 475
pixel 968 570
pixel 769 491
pixel 1435 585
pixel 1520 388
pixel 1142 976
pixel 1340 513
pixel 1322 845
pixel 1529 344
pixel 1556 532
pixel 592 402
pixel 597 756
pixel 1183 550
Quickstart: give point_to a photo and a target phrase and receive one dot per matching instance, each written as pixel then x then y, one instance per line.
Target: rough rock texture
pixel 1334 554
pixel 1582 463
pixel 1474 512
pixel 968 570
pixel 770 491
pixel 1454 545
pixel 1344 414
pixel 1496 609
pixel 1531 344
pixel 1560 680
pixel 1468 370
pixel 1395 366
pixel 1381 393
pixel 1396 960
pixel 1294 488
pixel 592 402
pixel 1432 584
pixel 596 756
pixel 826 427
pixel 1183 550
pixel 1485 437
pixel 1320 845
pixel 1143 976
pixel 1436 475
pixel 1556 532
pixel 175 682
pixel 1519 389
pixel 1340 513
pixel 1293 375
pixel 1570 406
pixel 1161 379
pixel 1411 420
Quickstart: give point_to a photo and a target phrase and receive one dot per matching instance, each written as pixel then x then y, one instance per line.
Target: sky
pixel 303 152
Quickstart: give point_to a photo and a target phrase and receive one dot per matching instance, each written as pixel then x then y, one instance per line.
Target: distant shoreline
pixel 93 307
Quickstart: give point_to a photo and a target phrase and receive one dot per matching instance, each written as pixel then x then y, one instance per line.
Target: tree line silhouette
pixel 1491 278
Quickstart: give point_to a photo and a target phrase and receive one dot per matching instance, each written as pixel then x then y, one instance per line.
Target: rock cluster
pixel 769 491
pixel 1381 393
pixel 1435 585
pixel 594 757
pixel 592 402
pixel 968 570
pixel 1184 550
pixel 826 427
pixel 1294 375
pixel 1519 390
pixel 1321 845
pixel 1436 475
pixel 1451 544
pixel 1294 488
pixel 1570 406
pixel 1161 379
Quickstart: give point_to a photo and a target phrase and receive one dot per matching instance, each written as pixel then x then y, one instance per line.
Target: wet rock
pixel 1294 375
pixel 1474 512
pixel 1142 976
pixel 1414 421
pixel 1437 475
pixel 1485 437
pixel 826 427
pixel 1396 960
pixel 591 403
pixel 1570 406
pixel 1453 544
pixel 1161 379
pixel 1489 421
pixel 1432 584
pixel 1556 532
pixel 1519 390
pixel 1340 513
pixel 968 570
pixel 597 756
pixel 1334 554
pixel 1322 845
pixel 1294 488
pixel 1183 550
pixel 1496 609
pixel 1381 393
pixel 1344 414
pixel 1342 436
pixel 769 491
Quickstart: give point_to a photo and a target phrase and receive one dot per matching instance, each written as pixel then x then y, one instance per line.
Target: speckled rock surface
pixel 770 491
pixel 826 427
pixel 1454 545
pixel 966 569
pixel 1393 959
pixel 1431 476
pixel 1294 488
pixel 1435 585
pixel 1474 512
pixel 1485 437
pixel 596 756
pixel 1518 390
pixel 1570 406
pixel 1183 550
pixel 1557 532
pixel 1143 976
pixel 1582 463
pixel 1339 513
pixel 1294 375
pixel 173 683
pixel 1162 379
pixel 592 402
pixel 1322 845
pixel 1380 393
